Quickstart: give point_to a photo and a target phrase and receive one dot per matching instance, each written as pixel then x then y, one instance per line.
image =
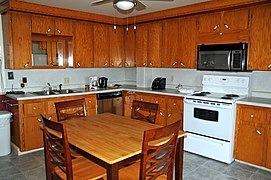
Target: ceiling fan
pixel 125 6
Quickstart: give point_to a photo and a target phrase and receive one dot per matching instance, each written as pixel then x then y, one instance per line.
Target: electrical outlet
pixel 66 80
pixel 10 75
pixel 172 78
pixel 24 79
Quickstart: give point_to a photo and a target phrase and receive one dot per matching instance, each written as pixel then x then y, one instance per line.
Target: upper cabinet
pixel 101 46
pixel 51 26
pixel 260 38
pixel 170 43
pixel 129 46
pixel 116 46
pixel 222 27
pixel 187 42
pixel 141 47
pixel 82 45
pixel 17 40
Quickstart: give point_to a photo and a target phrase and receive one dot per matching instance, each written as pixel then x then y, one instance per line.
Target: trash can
pixel 4 132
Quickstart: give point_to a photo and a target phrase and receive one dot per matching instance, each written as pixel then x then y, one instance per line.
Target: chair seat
pixel 132 172
pixel 84 169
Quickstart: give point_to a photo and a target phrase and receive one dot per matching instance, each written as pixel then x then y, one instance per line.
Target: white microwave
pixel 222 57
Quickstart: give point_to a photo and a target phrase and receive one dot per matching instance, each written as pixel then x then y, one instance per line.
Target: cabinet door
pixel 175 103
pixel 155 44
pixel 253 114
pixel 83 45
pixel 129 37
pixel 20 30
pixel 260 38
pixel 170 43
pixel 251 144
pixel 187 42
pixel 101 45
pixel 43 24
pixel 33 109
pixel 209 23
pixel 162 117
pixel 33 138
pixel 141 45
pixel 230 24
pixel 268 159
pixel 116 46
pixel 174 116
pixel 63 27
pixel 127 110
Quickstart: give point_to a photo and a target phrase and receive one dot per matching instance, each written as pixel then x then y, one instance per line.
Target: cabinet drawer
pixel 161 101
pixel 253 115
pixel 91 102
pixel 175 104
pixel 33 109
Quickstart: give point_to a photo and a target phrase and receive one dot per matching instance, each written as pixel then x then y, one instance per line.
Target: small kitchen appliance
pixel 93 82
pixel 222 57
pixel 159 83
pixel 103 82
pixel 210 115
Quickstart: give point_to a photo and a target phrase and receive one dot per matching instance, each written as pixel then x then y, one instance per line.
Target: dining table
pixel 113 141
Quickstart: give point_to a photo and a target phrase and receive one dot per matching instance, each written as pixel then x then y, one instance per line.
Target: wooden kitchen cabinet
pixel 221 27
pixel 187 42
pixel 154 56
pixel 260 38
pixel 128 97
pixel 17 40
pixel 51 26
pixel 129 46
pixel 83 45
pixel 170 55
pixel 116 46
pixel 101 46
pixel 141 45
pixel 251 137
pixel 268 158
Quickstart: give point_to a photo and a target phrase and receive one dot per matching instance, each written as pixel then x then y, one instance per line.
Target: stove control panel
pixel 237 81
pixel 208 103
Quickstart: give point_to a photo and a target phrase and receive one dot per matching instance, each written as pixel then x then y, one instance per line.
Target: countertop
pixel 81 91
pixel 256 101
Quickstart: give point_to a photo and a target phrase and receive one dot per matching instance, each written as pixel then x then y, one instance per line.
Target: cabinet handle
pixel 89 101
pixel 182 64
pixel 220 33
pixel 174 104
pixel 10 104
pixel 216 27
pixel 252 116
pixel 26 65
pixel 169 115
pixel 50 118
pixel 126 64
pixel 162 114
pixel 112 64
pixel 226 26
pixel 174 63
pixel 49 30
pixel 141 99
pixel 150 64
pixel 259 132
pixel 78 64
pixel 157 102
pixel 269 66
pixel 144 64
pixel 39 119
pixel 59 32
pixel 105 64
pixel 34 108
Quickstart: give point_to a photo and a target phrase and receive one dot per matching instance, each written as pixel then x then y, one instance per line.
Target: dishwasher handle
pixel 109 95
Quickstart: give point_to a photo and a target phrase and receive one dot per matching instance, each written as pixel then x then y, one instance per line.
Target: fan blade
pixel 139 5
pixel 158 0
pixel 100 2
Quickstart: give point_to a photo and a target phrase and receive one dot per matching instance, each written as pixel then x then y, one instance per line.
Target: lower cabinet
pixel 252 138
pixel 170 107
pixel 25 128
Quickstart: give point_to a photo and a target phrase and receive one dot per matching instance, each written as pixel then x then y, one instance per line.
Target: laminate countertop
pixel 81 91
pixel 256 101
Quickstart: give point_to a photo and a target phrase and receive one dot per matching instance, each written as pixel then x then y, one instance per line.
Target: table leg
pixel 113 172
pixel 179 159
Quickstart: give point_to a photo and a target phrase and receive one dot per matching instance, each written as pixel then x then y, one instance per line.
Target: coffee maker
pixel 103 82
pixel 94 82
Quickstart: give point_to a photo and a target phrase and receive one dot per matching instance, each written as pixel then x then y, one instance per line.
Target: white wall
pixel 260 81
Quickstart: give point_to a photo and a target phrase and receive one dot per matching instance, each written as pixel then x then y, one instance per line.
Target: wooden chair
pixel 59 164
pixel 157 162
pixel 144 111
pixel 69 109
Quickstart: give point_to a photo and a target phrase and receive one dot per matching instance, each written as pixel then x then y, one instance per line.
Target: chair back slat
pixel 144 111
pixel 159 160
pixel 57 151
pixel 70 109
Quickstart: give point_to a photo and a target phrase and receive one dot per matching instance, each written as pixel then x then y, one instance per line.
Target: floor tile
pixel 9 171
pixel 216 165
pixel 264 172
pixel 204 173
pixel 257 176
pixel 38 173
pixel 238 173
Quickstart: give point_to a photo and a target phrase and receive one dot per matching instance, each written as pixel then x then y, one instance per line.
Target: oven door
pixel 214 60
pixel 209 120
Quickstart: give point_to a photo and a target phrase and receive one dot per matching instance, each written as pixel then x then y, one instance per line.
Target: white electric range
pixel 209 116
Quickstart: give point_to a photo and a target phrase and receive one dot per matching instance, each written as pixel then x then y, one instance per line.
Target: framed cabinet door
pixel 141 45
pixel 155 31
pixel 116 46
pixel 129 38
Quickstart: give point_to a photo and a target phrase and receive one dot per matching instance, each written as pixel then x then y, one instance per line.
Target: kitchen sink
pixel 55 92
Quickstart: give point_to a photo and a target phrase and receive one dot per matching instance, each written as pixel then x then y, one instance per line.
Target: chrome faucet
pixel 60 87
pixel 50 87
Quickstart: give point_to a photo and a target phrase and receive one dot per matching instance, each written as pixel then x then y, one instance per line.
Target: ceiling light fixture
pixel 125 5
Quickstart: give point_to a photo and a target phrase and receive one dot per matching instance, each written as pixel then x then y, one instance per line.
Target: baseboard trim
pixel 19 153
pixel 253 165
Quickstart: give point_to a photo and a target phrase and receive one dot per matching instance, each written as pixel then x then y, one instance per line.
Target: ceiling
pixel 107 9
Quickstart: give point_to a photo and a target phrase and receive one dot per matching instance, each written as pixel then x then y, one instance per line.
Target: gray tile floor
pixel 31 167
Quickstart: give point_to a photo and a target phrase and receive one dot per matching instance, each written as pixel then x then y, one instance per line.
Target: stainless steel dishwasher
pixel 110 103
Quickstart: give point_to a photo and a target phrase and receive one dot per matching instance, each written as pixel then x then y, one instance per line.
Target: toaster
pixel 159 83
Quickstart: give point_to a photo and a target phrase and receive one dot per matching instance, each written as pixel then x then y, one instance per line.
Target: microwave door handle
pixel 229 60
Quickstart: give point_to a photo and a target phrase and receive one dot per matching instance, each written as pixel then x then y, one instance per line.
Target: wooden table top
pixel 109 137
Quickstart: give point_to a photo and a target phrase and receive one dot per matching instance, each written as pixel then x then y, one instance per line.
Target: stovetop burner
pixel 201 93
pixel 226 97
pixel 232 95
